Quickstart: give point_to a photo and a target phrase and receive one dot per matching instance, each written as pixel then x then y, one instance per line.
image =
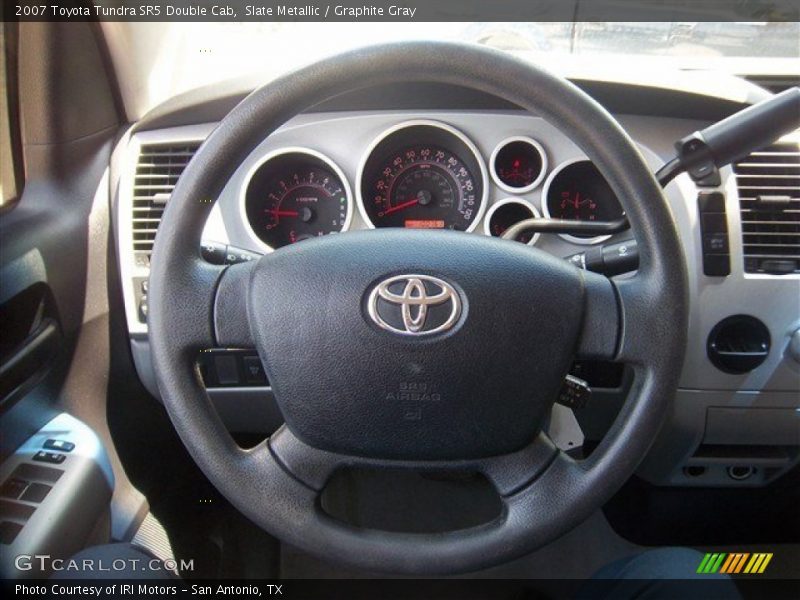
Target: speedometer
pixel 422 175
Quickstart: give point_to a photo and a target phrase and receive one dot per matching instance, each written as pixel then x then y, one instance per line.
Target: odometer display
pixel 295 196
pixel 435 184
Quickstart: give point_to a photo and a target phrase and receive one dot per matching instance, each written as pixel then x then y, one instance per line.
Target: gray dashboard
pixel 712 408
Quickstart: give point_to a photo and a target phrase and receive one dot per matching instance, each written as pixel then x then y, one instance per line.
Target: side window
pixel 11 174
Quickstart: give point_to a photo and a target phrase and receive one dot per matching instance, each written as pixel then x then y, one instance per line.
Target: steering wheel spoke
pixel 601 318
pixel 186 307
pixel 231 327
pixel 508 473
pixel 646 321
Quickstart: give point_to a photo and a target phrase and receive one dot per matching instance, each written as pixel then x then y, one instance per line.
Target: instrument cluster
pixel 421 174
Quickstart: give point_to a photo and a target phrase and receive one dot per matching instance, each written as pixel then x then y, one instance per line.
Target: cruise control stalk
pixel 609 259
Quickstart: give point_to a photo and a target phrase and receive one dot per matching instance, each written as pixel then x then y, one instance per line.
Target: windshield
pixel 156 61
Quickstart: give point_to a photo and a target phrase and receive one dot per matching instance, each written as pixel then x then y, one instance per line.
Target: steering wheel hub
pixel 477 384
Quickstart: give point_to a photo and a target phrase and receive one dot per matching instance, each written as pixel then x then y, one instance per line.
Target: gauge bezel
pixel 484 199
pixel 531 186
pixel 546 209
pixel 512 200
pixel 272 154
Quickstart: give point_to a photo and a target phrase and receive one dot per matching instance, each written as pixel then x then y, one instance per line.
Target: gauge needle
pixel 284 213
pixel 401 206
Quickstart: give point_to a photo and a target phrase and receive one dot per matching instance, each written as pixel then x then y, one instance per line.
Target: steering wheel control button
pixel 714 233
pixel 61 445
pixel 414 305
pixel 213 252
pixel 224 368
pixel 575 393
pixel 55 458
pixel 234 255
pixel 254 370
pixel 227 369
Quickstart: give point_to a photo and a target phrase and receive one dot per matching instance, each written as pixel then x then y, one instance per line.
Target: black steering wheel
pixel 512 318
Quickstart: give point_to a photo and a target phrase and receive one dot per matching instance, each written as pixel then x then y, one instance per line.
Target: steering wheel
pixel 512 317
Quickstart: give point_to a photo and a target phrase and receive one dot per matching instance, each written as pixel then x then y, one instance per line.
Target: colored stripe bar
pixel 765 563
pixel 738 567
pixel 702 567
pixel 726 566
pixel 713 564
pixel 710 564
pixel 753 563
pixel 734 563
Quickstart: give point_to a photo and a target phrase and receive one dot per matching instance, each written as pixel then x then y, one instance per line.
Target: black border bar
pixel 403 10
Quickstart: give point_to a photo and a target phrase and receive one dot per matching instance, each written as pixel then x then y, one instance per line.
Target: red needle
pixel 577 200
pixel 401 206
pixel 284 213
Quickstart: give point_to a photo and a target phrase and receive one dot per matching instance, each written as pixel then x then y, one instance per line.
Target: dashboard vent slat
pixel 157 171
pixel 769 201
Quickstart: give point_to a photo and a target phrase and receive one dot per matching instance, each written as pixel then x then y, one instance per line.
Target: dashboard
pixel 480 170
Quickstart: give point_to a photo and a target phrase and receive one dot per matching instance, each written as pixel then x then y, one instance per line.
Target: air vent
pixel 157 172
pixel 738 344
pixel 769 194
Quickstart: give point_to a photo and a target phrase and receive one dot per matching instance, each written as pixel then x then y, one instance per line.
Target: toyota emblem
pixel 414 305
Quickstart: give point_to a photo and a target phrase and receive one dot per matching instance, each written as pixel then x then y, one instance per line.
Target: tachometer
pixel 296 194
pixel 422 175
pixel 577 191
